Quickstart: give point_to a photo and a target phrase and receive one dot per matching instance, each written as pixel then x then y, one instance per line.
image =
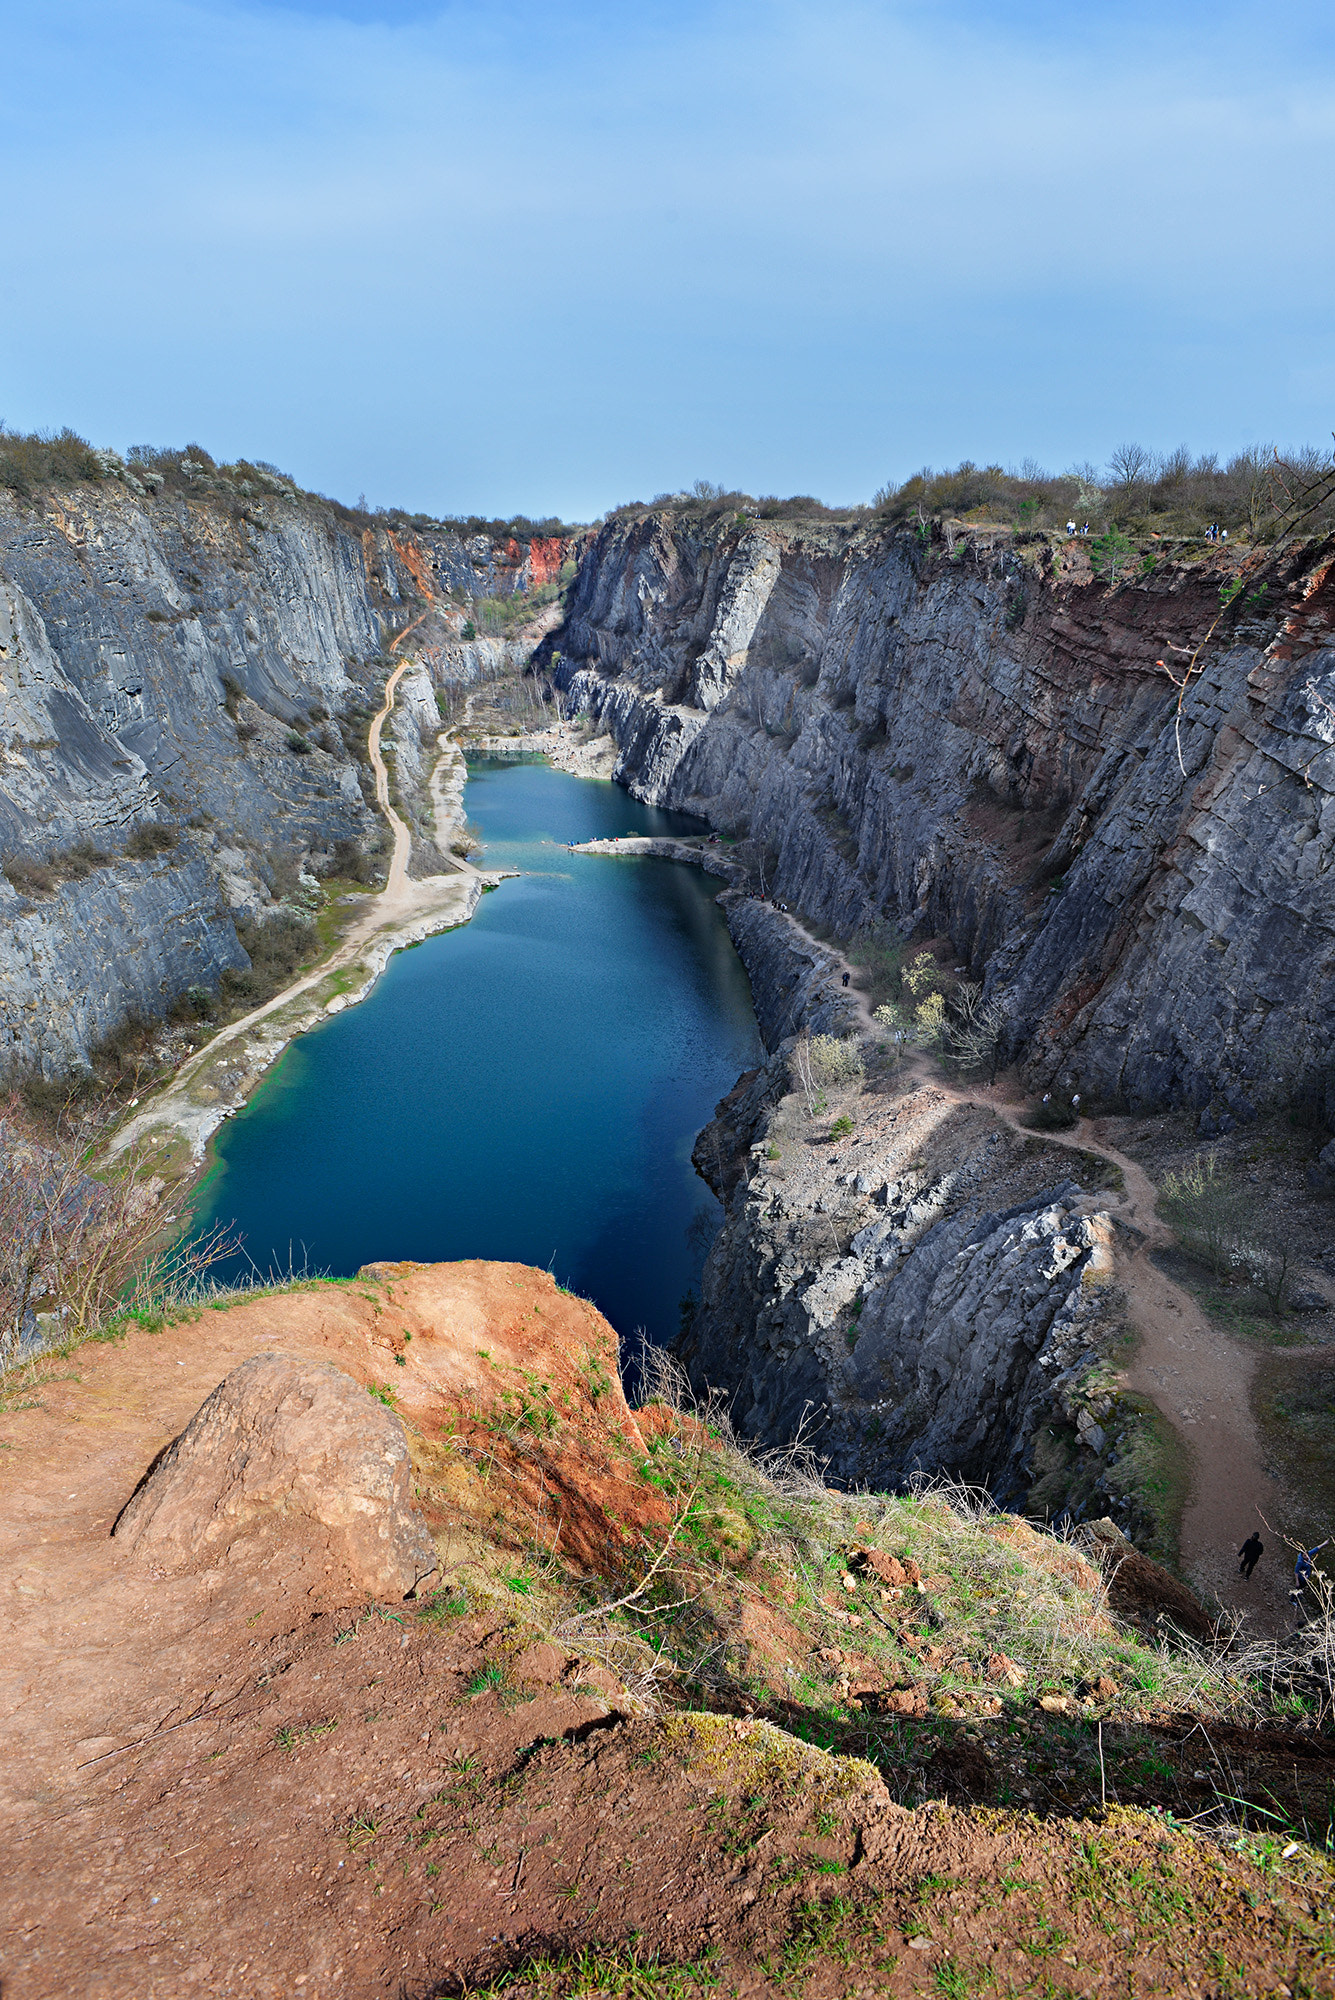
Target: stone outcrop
pixel 874 1296
pixel 280 1438
pixel 962 741
pixel 126 938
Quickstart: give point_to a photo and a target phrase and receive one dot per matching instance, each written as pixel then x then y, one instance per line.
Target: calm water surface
pixel 527 1087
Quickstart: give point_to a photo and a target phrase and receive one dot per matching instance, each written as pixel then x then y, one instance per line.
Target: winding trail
pixel 198 1098
pixel 1196 1375
pixel 397 880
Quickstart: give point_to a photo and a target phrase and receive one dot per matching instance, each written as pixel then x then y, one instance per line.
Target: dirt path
pixel 1201 1381
pixel 217 1081
pixel 398 866
pixel 1196 1375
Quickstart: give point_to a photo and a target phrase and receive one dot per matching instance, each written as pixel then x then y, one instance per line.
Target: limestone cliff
pixel 976 741
pixel 199 654
pixel 918 1296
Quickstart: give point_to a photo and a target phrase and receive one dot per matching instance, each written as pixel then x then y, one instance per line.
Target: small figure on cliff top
pixel 1251 1552
pixel 1070 527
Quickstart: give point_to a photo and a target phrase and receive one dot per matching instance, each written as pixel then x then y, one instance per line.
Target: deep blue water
pixel 526 1087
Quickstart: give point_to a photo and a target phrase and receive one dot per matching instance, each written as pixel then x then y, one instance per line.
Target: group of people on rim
pixel 1304 1569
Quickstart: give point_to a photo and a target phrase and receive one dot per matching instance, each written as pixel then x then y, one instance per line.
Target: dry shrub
pixel 85 1246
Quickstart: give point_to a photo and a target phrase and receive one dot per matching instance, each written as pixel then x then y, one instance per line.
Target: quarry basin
pixel 525 1088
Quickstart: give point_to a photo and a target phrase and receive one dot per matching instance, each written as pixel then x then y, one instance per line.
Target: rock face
pixel 281 1436
pixel 960 740
pixel 874 1299
pixel 202 655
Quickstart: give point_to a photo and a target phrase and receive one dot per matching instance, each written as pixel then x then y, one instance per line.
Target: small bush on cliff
pixel 276 947
pixel 1208 1210
pixel 149 840
pixel 40 878
pixel 835 1063
pixel 30 878
pixel 351 864
pixel 1110 554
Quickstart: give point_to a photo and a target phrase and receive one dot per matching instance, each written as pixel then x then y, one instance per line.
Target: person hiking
pixel 845 979
pixel 1251 1552
pixel 1306 1563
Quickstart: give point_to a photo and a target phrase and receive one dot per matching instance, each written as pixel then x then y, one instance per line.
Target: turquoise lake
pixel 527 1087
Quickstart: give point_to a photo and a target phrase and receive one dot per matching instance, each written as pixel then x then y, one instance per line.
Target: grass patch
pixel 1237 1309
pixel 1294 1402
pixel 290 1738
pixel 982 1588
pixel 619 1970
pixel 443 1605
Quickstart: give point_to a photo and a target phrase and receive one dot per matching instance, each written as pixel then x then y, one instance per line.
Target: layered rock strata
pixel 915 1298
pixel 201 657
pixel 968 741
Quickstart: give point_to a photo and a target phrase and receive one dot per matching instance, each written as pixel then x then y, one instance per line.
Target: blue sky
pixel 501 257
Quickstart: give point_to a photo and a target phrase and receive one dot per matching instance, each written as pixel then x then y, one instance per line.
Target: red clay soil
pixel 239 1778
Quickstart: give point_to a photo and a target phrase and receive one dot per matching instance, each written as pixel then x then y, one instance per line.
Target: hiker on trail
pixel 845 979
pixel 1306 1563
pixel 1070 527
pixel 1251 1552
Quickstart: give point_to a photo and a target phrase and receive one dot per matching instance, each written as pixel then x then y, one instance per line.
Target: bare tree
pixel 802 1070
pixel 86 1241
pixel 976 1031
pixel 1131 466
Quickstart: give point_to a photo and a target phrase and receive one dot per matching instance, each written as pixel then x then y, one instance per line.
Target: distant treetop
pixel 1170 493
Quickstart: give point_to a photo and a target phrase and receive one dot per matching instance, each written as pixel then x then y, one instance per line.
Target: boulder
pixel 1140 1592
pixel 286 1437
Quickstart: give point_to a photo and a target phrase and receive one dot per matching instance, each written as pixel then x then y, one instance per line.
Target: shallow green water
pixel 527 1087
